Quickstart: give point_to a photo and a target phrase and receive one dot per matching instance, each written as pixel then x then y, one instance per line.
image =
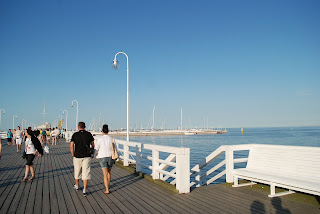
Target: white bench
pixel 290 167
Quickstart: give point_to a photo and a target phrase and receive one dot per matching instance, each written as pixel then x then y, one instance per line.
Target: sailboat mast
pixel 181 119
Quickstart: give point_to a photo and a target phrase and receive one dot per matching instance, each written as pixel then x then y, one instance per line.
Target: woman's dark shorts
pixel 106 162
pixel 9 140
pixel 29 158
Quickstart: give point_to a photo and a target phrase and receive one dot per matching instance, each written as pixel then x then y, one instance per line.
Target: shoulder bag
pixel 90 150
pixel 114 153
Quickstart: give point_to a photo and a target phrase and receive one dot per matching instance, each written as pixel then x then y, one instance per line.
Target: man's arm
pixel 72 148
pixel 92 144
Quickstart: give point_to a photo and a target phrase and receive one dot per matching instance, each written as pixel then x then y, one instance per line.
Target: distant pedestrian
pixel 103 150
pixel 80 144
pixel 18 135
pixel 44 137
pixel 14 137
pixel 30 154
pixel 9 137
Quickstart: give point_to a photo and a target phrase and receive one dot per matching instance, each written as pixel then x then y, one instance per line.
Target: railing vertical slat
pixel 125 155
pixel 183 170
pixel 138 158
pixel 229 166
pixel 155 164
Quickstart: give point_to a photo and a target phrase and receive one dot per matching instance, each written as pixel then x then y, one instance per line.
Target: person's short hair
pixel 82 125
pixel 105 128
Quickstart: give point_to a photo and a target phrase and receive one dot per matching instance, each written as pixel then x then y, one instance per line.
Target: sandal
pixel 24 180
pixel 30 179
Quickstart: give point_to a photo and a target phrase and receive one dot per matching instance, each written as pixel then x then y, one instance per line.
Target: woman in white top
pixel 103 150
pixel 30 154
pixel 18 135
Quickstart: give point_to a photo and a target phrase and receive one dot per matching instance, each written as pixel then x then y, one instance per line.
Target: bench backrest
pixel 290 161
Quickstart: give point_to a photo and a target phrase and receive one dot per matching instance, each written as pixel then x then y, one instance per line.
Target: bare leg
pixel 85 183
pixel 32 172
pixel 26 172
pixel 109 177
pixel 77 182
pixel 105 179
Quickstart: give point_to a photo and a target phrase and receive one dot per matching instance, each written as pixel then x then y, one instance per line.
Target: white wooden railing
pixel 176 165
pixel 201 177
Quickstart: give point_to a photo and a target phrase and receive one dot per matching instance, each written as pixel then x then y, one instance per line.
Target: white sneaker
pixel 84 192
pixel 75 187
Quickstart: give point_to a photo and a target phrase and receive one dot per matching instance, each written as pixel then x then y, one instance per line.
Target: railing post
pixel 229 166
pixel 138 158
pixel 155 164
pixel 183 170
pixel 125 155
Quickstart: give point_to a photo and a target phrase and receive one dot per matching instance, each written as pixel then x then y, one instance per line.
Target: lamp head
pixel 72 105
pixel 4 111
pixel 115 64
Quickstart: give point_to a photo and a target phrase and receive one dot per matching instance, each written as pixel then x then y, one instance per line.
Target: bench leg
pixel 236 183
pixel 274 194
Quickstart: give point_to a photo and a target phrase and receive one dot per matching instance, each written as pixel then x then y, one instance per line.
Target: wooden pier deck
pixel 52 192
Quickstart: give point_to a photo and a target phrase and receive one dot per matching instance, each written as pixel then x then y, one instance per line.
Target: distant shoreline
pixel 165 133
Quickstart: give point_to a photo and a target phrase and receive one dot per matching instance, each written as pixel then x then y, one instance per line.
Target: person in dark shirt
pixel 80 145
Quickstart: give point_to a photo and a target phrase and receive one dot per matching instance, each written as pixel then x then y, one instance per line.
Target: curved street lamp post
pixel 65 111
pixel 13 117
pixel 3 111
pixel 77 112
pixel 115 66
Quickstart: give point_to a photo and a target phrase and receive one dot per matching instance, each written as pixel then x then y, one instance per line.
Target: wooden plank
pixel 12 187
pixel 70 195
pixel 39 179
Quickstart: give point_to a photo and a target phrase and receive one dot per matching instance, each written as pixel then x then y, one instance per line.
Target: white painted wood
pixel 229 166
pixel 216 177
pixel 281 194
pixel 222 163
pixel 138 158
pixel 155 164
pixel 291 167
pixel 242 185
pixel 125 155
pixel 183 170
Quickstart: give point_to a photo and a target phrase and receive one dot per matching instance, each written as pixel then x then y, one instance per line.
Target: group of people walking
pixel 83 148
pixel 15 138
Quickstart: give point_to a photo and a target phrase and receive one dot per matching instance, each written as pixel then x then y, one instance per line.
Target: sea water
pixel 203 145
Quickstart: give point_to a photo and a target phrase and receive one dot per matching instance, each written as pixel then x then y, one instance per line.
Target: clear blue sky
pixel 237 63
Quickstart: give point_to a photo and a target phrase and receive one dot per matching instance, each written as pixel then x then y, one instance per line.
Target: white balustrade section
pixel 228 162
pixel 68 135
pixel 178 158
